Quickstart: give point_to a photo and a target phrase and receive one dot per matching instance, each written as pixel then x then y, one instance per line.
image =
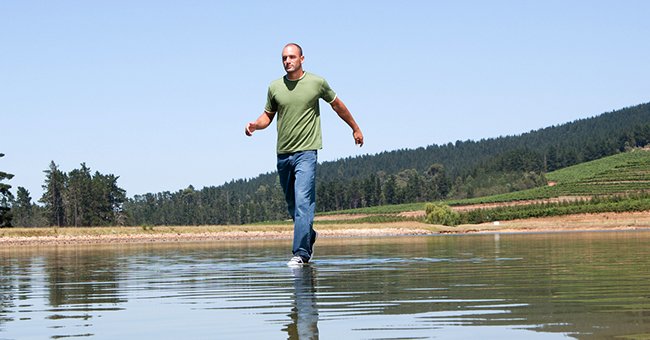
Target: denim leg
pixel 297 173
pixel 305 206
pixel 287 179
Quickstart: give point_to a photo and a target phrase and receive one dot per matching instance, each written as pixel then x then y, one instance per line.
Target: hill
pixel 615 187
pixel 623 173
pixel 460 170
pixel 617 175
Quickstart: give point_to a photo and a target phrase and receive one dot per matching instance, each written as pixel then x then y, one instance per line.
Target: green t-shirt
pixel 296 104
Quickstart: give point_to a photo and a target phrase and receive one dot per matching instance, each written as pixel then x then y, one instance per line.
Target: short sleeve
pixel 326 92
pixel 271 104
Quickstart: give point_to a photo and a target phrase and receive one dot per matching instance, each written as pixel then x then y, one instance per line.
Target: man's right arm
pixel 262 122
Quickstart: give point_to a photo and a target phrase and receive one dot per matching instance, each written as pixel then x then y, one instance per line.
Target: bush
pixel 442 214
pixel 147 227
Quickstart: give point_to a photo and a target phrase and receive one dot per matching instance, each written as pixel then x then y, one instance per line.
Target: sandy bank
pixel 130 235
pixel 184 234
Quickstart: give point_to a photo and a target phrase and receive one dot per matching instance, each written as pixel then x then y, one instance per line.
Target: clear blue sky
pixel 159 92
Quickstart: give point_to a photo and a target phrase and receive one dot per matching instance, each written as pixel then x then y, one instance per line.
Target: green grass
pixel 634 165
pixel 376 219
pixel 378 210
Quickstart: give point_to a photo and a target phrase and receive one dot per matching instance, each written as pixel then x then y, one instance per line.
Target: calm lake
pixel 503 286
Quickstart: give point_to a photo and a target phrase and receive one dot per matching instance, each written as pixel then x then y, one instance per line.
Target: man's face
pixel 291 58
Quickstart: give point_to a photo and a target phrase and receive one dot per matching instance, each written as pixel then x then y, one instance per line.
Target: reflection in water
pixel 76 278
pixel 536 286
pixel 304 312
pixel 10 275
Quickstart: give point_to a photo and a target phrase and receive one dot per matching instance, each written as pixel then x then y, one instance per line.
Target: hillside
pixel 624 173
pixel 627 172
pixel 459 170
pixel 615 187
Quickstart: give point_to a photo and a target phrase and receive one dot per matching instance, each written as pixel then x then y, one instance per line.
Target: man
pixel 294 98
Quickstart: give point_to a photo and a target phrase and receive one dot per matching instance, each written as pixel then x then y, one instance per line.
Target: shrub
pixel 147 227
pixel 441 214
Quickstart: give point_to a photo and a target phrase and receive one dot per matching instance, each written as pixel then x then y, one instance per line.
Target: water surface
pixel 532 286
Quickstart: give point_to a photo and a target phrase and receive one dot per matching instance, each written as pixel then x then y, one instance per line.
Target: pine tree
pixel 78 197
pixel 52 198
pixel 106 200
pixel 390 190
pixel 23 209
pixel 5 198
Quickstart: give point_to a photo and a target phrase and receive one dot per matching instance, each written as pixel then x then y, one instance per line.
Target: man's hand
pixel 260 124
pixel 250 128
pixel 358 138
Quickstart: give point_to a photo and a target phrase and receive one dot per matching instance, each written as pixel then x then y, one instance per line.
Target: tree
pixel 78 197
pixel 52 198
pixel 372 191
pixel 438 183
pixel 106 204
pixel 23 209
pixel 5 198
pixel 390 190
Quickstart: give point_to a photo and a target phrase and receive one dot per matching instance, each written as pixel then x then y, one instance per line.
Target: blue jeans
pixel 297 173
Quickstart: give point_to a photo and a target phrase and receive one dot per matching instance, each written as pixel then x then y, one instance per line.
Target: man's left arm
pixel 344 113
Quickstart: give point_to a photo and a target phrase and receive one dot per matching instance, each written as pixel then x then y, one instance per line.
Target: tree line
pixel 76 198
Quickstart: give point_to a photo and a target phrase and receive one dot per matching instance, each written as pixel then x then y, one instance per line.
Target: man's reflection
pixel 304 313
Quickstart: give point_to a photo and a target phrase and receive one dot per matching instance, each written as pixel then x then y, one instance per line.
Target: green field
pixel 623 173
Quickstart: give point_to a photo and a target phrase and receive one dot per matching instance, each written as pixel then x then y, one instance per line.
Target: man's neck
pixel 295 75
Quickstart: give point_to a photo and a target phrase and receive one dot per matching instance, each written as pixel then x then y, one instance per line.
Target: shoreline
pixel 18 237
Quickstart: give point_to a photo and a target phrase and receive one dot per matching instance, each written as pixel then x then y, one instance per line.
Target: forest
pixel 463 169
pixel 76 198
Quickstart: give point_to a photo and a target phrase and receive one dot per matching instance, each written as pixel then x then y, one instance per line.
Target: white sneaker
pixel 296 261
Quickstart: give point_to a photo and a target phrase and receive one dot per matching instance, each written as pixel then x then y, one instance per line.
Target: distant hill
pixel 454 170
pixel 626 173
pixel 623 173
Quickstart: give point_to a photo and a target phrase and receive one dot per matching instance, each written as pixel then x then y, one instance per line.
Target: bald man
pixel 294 98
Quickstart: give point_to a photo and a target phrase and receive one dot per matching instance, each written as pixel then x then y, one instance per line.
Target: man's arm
pixel 344 113
pixel 261 123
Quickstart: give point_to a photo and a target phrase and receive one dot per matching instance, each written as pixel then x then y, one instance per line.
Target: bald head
pixel 296 46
